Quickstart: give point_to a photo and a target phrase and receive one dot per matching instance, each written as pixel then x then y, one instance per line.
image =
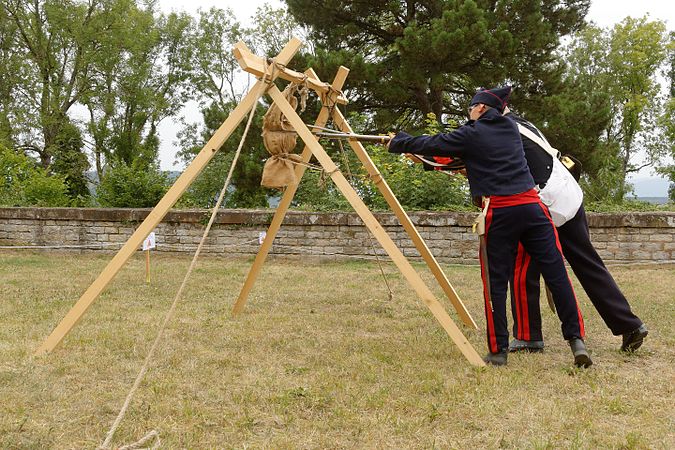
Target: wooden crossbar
pixel 256 65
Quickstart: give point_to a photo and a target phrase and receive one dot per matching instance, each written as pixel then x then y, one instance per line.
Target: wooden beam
pixel 255 65
pixel 157 214
pixel 286 199
pixel 409 227
pixel 376 229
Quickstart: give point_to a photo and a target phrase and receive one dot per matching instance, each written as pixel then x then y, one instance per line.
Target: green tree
pixel 272 28
pixel 667 120
pixel 637 51
pixel 410 58
pixel 575 116
pixel 140 78
pixel 218 87
pixel 24 183
pixel 69 161
pixel 607 113
pixel 58 40
pixel 131 186
pixel 12 71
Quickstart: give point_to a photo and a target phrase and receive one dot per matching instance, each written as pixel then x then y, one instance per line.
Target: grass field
pixel 320 358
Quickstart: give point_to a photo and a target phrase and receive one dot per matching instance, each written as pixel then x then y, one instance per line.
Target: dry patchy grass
pixel 319 359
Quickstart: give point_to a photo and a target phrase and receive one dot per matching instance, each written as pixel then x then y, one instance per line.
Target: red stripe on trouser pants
pixel 582 329
pixel 516 290
pixel 522 310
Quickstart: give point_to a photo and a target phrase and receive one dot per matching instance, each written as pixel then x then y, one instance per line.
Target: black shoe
pixel 633 339
pixel 581 358
pixel 496 359
pixel 519 345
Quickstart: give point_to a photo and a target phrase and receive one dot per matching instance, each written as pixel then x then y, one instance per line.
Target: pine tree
pixel 411 58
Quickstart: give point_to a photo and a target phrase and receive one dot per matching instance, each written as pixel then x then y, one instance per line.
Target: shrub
pixel 135 186
pixel 24 183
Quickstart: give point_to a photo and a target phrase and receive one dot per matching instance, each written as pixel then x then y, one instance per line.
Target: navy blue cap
pixel 497 97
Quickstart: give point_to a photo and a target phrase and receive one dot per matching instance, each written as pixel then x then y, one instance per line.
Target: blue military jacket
pixel 490 147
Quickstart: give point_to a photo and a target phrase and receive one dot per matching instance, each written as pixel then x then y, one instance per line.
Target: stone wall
pixel 619 238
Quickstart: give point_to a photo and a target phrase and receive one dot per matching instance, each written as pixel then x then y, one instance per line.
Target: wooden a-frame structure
pixel 267 71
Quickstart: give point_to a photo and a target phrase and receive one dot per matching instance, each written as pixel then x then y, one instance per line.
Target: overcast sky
pixel 604 13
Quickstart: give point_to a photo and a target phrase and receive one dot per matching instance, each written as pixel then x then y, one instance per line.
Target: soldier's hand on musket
pixel 391 135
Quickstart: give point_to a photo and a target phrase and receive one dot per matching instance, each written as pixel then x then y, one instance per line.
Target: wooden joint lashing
pixel 376 177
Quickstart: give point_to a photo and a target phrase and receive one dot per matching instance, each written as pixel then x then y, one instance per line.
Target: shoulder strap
pixel 541 142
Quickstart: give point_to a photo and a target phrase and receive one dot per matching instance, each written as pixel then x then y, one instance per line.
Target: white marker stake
pixel 148 243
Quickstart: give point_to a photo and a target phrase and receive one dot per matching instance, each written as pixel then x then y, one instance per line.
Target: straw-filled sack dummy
pixel 280 139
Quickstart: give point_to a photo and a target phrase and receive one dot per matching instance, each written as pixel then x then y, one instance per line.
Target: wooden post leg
pixel 147 266
pixel 409 227
pixel 286 199
pixel 383 238
pixel 158 213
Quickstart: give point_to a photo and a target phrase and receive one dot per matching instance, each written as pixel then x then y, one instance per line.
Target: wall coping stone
pixel 665 219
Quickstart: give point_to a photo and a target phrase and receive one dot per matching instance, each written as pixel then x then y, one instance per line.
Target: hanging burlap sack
pixel 280 140
pixel 279 170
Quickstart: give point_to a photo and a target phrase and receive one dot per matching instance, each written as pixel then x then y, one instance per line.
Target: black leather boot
pixel 633 339
pixel 581 357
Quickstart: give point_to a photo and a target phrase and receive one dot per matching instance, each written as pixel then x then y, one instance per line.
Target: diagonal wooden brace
pixel 376 229
pixel 381 184
pixel 409 227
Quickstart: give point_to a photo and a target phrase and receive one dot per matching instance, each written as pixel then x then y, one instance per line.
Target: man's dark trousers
pixel 531 225
pixel 589 268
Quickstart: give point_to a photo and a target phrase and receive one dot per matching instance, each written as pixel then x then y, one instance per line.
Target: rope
pixel 147 438
pixel 345 158
pixel 104 245
pixel 169 314
pixel 299 162
pixel 86 246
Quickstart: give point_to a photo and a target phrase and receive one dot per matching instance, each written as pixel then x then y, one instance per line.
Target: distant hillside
pixel 650 187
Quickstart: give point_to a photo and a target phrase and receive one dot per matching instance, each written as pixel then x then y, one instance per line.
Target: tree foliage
pixel 609 110
pixel 23 182
pixel 667 120
pixel 139 80
pixel 129 67
pixel 218 86
pixel 131 186
pixel 58 41
pixel 411 58
pixel 120 59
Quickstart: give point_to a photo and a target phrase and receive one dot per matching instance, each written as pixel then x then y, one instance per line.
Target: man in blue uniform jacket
pixel 491 148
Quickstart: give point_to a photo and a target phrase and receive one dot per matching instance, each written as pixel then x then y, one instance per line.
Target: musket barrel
pixel 355 137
